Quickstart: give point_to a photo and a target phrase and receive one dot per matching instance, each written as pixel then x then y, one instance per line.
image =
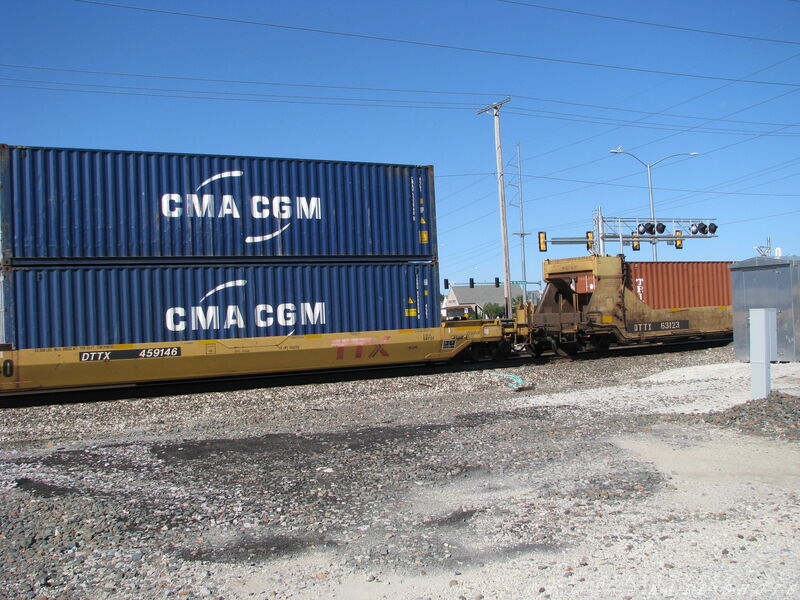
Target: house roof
pixel 483 294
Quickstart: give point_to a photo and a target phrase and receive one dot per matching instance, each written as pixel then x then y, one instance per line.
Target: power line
pixel 382 102
pixel 436 45
pixel 361 88
pixel 695 97
pixel 226 99
pixel 666 189
pixel 642 187
pixel 642 112
pixel 377 101
pixel 474 183
pixel 705 152
pixel 254 94
pixel 239 81
pixel 466 204
pixel 560 116
pixel 673 202
pixel 463 175
pixel 791 212
pixel 751 106
pixel 651 24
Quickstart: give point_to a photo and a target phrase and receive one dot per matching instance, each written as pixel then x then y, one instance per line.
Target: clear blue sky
pixel 297 97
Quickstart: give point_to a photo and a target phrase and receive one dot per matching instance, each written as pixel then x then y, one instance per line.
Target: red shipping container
pixel 585 283
pixel 680 284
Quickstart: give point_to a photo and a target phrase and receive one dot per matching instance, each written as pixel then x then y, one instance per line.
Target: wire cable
pixel 651 24
pixel 435 45
pixel 469 105
pixel 665 189
pixel 364 104
pixel 371 89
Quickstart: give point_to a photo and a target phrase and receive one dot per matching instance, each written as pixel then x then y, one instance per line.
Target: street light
pixel 649 166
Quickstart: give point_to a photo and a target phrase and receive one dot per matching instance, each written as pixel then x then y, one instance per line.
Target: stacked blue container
pixel 109 247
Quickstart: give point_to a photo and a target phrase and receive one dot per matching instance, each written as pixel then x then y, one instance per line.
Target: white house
pixel 464 301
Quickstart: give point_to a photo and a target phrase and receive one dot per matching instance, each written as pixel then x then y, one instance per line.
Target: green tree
pixel 492 310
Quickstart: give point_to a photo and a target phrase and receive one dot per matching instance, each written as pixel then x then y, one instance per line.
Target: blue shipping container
pixel 62 204
pixel 50 307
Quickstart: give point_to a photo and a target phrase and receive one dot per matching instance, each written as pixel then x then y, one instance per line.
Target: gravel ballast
pixel 646 475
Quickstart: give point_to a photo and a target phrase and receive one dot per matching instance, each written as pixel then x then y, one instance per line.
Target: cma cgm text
pixel 260 207
pixel 179 318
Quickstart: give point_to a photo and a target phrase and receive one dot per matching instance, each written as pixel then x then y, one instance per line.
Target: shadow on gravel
pixel 361 439
pixel 249 548
pixel 493 555
pixel 514 551
pixel 86 458
pixel 44 490
pixel 613 487
pixel 455 518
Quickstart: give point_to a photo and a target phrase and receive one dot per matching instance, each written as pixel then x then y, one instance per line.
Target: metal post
pixel 760 350
pixel 501 192
pixel 522 233
pixel 601 232
pixel 652 208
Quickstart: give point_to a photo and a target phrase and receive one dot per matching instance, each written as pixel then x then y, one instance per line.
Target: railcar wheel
pixel 599 343
pixel 475 353
pixel 567 349
pixel 536 348
pixel 501 350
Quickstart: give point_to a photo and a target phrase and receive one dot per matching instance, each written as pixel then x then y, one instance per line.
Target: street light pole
pixel 649 167
pixel 652 207
pixel 501 192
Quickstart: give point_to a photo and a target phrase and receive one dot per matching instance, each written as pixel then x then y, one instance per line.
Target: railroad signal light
pixel 496 282
pixel 646 228
pixel 542 241
pixel 702 228
pixel 471 282
pixel 661 228
pixel 678 241
pixel 589 240
pixel 693 229
pixel 712 228
pixel 635 241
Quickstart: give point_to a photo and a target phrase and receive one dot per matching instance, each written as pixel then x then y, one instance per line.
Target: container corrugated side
pixel 680 284
pixel 62 204
pixel 99 305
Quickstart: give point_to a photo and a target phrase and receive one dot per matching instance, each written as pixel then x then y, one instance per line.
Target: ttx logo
pixel 360 344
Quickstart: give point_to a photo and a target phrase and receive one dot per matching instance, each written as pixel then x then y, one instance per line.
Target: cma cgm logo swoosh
pixel 207 315
pixel 208 205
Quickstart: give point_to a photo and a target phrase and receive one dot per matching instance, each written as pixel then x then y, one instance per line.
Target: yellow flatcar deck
pixel 123 364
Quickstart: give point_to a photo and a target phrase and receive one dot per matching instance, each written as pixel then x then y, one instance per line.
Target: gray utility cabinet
pixel 764 282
